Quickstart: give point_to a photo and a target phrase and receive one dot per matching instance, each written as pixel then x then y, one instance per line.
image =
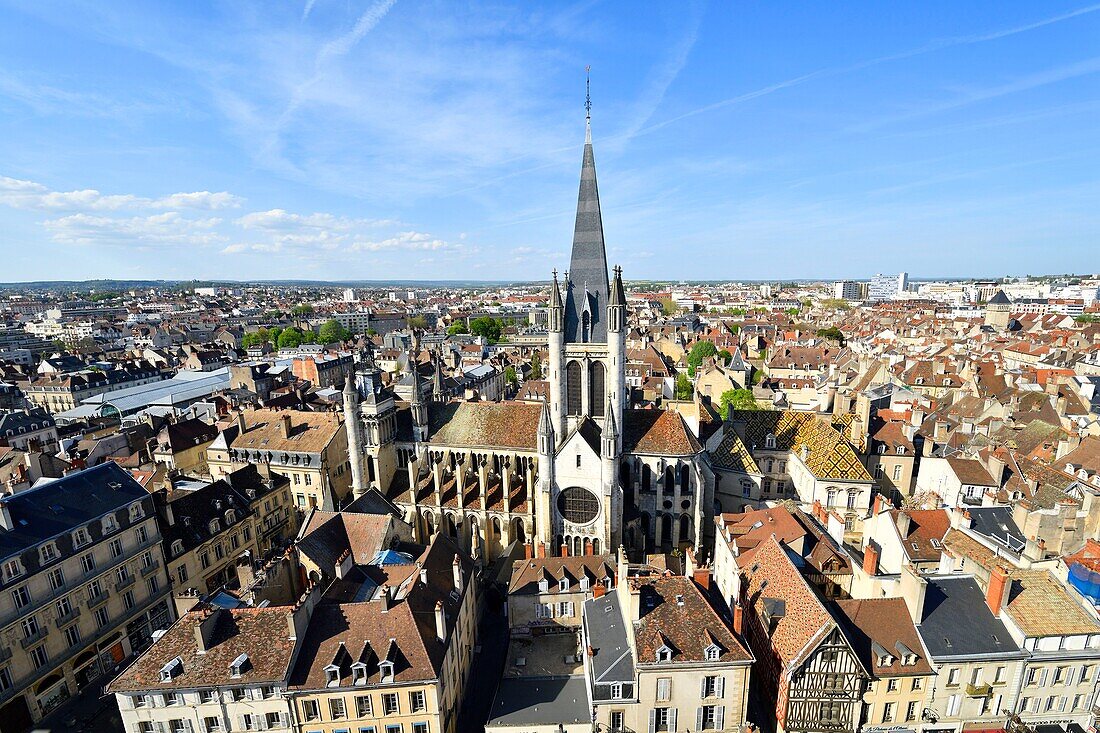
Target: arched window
pixel 597 400
pixel 573 388
pixel 586 326
pixel 685 528
pixel 684 478
pixel 647 478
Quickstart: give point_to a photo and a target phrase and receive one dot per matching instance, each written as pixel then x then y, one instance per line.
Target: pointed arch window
pixel 586 326
pixel 597 400
pixel 573 388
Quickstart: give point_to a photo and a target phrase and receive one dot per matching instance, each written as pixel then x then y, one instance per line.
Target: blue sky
pixel 340 139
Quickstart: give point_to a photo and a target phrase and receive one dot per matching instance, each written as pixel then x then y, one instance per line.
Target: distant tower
pixel 998 310
pixel 355 436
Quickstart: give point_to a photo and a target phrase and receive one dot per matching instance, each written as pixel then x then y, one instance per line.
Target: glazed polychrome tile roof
pixel 829 455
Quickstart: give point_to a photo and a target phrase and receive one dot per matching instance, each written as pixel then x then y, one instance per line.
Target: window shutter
pixel 702 689
pixel 720 687
pixel 672 719
pixel 699 718
pixel 261 721
pixel 1042 678
pixel 720 716
pixel 1061 704
pixel 652 721
pixel 1071 675
pixel 284 719
pixel 241 725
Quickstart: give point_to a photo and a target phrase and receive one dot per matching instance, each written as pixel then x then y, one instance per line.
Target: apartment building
pixel 208 528
pixel 216 670
pixel 182 445
pixel 83 587
pixel 309 448
pixel 546 595
pixel 61 392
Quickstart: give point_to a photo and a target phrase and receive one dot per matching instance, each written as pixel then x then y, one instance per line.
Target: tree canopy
pixel 510 376
pixel 417 323
pixel 700 351
pixel 832 333
pixel 737 399
pixel 332 331
pixel 301 310
pixel 488 327
pixel 457 327
pixel 291 338
pixel 683 387
pixel 536 366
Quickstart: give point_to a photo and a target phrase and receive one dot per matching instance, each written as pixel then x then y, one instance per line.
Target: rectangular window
pixel 363 706
pixel 664 689
pixel 72 635
pixel 56 578
pixel 128 600
pixel 115 546
pixel 420 728
pixel 212 724
pixel 953 677
pixel 389 704
pixel 417 701
pixel 888 712
pixel 618 721
pixel 39 657
pixel 21 597
pixel 309 710
pixel 918 683
pixel 87 562
pixel 661 719
pixel 142 535
pixel 337 709
pixel 911 711
pixel 102 618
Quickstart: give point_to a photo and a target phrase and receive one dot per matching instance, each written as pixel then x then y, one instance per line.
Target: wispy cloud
pixel 24 194
pixel 166 228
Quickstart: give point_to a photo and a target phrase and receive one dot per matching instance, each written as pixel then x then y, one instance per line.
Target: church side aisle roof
pixel 486 425
pixel 658 432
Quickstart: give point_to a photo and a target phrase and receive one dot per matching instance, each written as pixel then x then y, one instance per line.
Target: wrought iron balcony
pixel 72 614
pixel 38 635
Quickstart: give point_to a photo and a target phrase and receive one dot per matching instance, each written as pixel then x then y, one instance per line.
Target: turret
pixel 556 336
pixel 418 406
pixel 546 446
pixel 355 435
pixel 616 348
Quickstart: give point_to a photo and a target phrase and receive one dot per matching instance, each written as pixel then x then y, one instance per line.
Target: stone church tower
pixel 580 501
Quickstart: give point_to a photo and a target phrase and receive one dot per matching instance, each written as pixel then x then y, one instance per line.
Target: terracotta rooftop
pixel 658 432
pixel 1041 606
pixel 674 612
pixel 486 425
pixel 310 432
pixel 883 624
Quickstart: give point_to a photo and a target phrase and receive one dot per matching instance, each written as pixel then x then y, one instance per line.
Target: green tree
pixel 725 356
pixel 510 376
pixel 488 327
pixel 417 323
pixel 835 304
pixel 668 306
pixel 701 350
pixel 255 338
pixel 291 338
pixel 832 333
pixel 457 327
pixel 302 310
pixel 536 366
pixel 792 311
pixel 332 331
pixel 737 399
pixel 683 387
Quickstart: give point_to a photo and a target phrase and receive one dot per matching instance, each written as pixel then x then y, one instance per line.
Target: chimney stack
pixel 870 558
pixel 587 546
pixel 285 421
pixel 528 550
pixel 564 550
pixel 456 568
pixel 386 598
pixel 241 427
pixel 701 576
pixel 738 619
pixel 913 590
pixel 440 623
pixel 542 550
pixel 204 631
pixel 996 593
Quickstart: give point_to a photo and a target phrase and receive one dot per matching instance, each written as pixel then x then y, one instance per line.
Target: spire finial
pixel 588 91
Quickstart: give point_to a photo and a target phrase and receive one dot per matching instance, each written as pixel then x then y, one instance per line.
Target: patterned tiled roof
pixel 829 455
pixel 732 455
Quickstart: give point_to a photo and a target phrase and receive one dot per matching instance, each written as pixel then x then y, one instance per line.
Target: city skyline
pixel 732 143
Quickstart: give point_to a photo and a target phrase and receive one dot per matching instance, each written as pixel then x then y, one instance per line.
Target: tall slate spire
pixel 587 287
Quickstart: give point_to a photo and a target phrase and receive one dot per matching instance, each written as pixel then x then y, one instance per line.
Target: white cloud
pixel 405 241
pixel 165 228
pixel 21 194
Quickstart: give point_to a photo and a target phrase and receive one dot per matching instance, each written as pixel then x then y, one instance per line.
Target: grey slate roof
pixel 612 660
pixel 587 284
pixel 523 701
pixel 957 622
pixel 1000 299
pixel 66 503
pixel 996 523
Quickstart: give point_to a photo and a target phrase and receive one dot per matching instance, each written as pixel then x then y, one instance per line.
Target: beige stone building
pixel 83 587
pixel 182 446
pixel 309 448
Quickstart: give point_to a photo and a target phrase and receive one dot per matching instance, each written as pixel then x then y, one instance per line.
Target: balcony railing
pixel 150 569
pixel 37 636
pixel 124 583
pixel 72 614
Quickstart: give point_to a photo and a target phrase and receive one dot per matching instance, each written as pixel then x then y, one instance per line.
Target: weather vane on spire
pixel 588 90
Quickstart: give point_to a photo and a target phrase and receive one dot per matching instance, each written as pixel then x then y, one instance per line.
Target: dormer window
pixel 584 583
pixel 359 674
pixel 239 665
pixel 177 547
pixel 81 537
pixel 110 524
pixel 563 585
pixel 385 670
pixel 13 569
pixel 664 653
pixel 48 553
pixel 901 450
pixel 332 675
pixel 712 653
pixel 137 511
pixel 171 669
pixel 230 517
pixel 769 441
pixel 215 526
pixel 882 449
pixel 885 660
pixel 543 585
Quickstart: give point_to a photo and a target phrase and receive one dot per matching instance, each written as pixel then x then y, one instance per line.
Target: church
pixel 579 474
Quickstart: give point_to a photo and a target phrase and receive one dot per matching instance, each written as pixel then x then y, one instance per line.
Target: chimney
pixel 564 550
pixel 384 596
pixel 528 550
pixel 738 619
pixel 542 550
pixel 903 519
pixel 702 577
pixel 996 593
pixel 285 421
pixel 587 546
pixel 870 558
pixel 913 590
pixel 204 630
pixel 423 574
pixel 877 506
pixel 440 622
pixel 456 571
pixel 241 427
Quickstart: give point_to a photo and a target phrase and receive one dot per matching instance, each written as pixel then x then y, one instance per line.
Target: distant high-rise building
pixel 847 289
pixel 349 295
pixel 885 287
